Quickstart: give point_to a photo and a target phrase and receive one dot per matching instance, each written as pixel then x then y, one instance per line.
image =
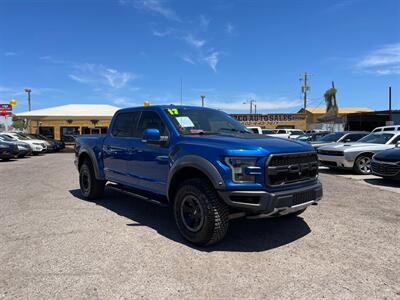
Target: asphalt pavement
pixel 54 244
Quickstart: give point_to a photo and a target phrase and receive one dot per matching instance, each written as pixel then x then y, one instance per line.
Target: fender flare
pixel 93 159
pixel 200 163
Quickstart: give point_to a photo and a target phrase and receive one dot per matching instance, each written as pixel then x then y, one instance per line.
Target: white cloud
pixel 156 6
pixel 229 28
pixel 382 61
pixel 10 53
pixel 188 59
pixel 192 41
pixel 212 60
pixel 98 74
pixel 162 33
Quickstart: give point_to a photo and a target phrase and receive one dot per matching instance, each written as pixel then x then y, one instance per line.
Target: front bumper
pixel 257 202
pixel 385 169
pixel 335 161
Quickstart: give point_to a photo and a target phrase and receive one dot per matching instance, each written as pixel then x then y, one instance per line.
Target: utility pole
pixel 305 88
pixel 255 108
pixel 202 100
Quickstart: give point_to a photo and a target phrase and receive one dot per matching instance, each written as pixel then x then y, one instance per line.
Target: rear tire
pixel 201 217
pixel 362 165
pixel 91 188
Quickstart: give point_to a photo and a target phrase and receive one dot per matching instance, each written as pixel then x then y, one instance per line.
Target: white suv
pixel 37 146
pixel 387 128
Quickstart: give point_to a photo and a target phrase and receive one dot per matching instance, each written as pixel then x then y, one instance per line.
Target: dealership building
pixel 62 122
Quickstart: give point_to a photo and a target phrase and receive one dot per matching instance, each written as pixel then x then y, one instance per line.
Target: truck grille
pixel 385 169
pixel 284 169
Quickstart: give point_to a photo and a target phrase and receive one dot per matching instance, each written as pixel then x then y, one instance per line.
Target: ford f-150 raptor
pixel 205 164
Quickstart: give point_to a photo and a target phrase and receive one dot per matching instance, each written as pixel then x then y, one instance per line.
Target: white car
pixel 288 133
pixel 255 129
pixel 357 155
pixel 37 146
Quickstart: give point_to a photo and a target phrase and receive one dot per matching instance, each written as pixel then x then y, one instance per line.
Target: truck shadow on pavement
pixel 244 235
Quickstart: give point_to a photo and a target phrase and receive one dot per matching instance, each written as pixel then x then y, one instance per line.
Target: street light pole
pixel 251 102
pixel 28 91
pixel 202 100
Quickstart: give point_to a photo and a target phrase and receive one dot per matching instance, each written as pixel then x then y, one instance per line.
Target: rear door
pixel 148 167
pixel 119 146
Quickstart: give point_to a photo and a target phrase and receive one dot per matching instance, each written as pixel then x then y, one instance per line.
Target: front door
pixel 149 165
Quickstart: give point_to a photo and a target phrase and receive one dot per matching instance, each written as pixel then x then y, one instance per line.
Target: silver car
pixel 358 155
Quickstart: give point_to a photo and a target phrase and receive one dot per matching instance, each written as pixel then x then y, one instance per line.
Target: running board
pixel 130 192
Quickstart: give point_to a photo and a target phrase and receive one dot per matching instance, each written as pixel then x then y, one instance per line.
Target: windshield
pixel 198 121
pixel 304 137
pixel 376 138
pixel 21 137
pixel 6 138
pixel 332 137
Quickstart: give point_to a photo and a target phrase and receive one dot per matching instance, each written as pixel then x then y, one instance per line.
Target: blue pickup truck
pixel 202 162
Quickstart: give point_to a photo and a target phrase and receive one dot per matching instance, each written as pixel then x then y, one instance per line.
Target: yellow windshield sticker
pixel 173 111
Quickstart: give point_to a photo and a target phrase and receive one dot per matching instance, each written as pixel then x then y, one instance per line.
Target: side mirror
pixel 398 144
pixel 152 136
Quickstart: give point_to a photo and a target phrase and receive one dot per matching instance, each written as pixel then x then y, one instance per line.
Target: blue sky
pixel 122 52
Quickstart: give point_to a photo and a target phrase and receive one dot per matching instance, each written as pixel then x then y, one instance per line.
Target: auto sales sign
pixel 6 107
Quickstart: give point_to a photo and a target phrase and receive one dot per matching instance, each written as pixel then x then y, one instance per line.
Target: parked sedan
pixel 23 148
pixel 386 163
pixel 339 137
pixel 54 144
pixel 7 150
pixel 358 155
pixel 37 146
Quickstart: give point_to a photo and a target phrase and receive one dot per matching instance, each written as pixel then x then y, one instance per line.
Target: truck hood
pixel 348 147
pixel 240 142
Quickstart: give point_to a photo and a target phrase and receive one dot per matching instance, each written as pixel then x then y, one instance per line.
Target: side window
pixel 389 129
pixel 397 139
pixel 281 131
pixel 151 119
pixel 125 125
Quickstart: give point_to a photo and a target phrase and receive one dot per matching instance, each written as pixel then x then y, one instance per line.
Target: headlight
pixel 242 169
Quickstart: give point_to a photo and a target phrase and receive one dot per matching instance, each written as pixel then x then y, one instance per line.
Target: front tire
pixel 362 165
pixel 201 217
pixel 91 188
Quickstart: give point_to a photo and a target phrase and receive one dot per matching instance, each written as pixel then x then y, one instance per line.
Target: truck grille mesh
pixel 284 169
